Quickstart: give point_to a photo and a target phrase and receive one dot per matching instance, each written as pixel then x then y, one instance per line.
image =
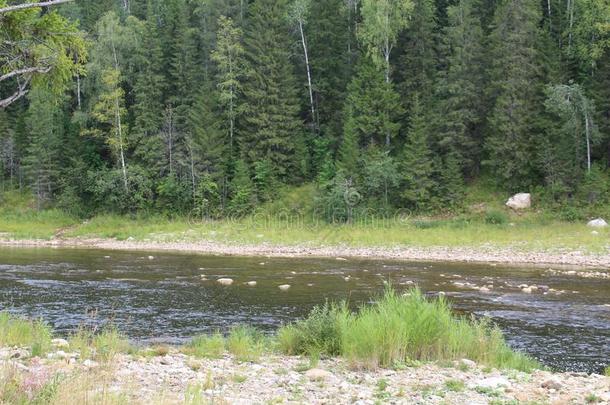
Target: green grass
pixel 484 222
pixel 15 331
pixel 455 385
pixel 607 371
pixel 204 346
pixel 243 342
pixel 102 346
pixel 398 329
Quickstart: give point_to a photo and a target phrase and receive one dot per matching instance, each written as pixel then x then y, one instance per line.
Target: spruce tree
pixel 416 168
pixel 372 105
pixel 461 89
pixel 271 123
pixel 516 93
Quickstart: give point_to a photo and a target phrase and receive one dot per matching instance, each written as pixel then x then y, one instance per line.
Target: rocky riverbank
pixel 481 254
pixel 171 377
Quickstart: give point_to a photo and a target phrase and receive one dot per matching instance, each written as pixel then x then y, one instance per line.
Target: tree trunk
pixel 309 81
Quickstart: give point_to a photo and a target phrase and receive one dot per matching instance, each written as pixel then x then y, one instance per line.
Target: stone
pixel 251 283
pixel 90 363
pixel 527 290
pixel 597 223
pixel 284 287
pixel 552 384
pixel 484 289
pixel 316 374
pixel 60 343
pixel 594 233
pixel 151 257
pixel 225 281
pixel 468 363
pixel 341 259
pixel 520 201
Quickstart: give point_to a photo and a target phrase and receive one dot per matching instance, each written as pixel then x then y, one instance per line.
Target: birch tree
pixel 298 13
pixel 573 106
pixel 382 22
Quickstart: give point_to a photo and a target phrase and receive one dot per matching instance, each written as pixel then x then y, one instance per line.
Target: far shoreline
pixel 466 254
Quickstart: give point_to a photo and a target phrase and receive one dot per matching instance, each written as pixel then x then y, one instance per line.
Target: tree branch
pixel 21 91
pixel 24 71
pixel 25 6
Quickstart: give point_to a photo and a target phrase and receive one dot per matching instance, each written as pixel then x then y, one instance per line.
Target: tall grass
pixel 102 346
pixel 34 334
pixel 243 342
pixel 397 329
pixel 212 346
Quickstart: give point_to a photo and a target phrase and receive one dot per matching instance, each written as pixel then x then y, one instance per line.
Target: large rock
pixel 520 201
pixel 597 223
pixel 225 281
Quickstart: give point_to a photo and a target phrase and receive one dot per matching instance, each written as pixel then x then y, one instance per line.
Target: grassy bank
pixel 395 330
pixel 289 223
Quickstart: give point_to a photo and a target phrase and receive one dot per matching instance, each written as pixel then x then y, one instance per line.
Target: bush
pixel 496 218
pixel 15 331
pixel 397 329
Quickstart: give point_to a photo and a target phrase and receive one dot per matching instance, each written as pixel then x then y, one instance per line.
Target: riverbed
pixel 169 297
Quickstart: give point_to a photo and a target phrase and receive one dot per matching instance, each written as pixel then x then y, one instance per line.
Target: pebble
pixel 251 283
pixel 284 287
pixel 225 281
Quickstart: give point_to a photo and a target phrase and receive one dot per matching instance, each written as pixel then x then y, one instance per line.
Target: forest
pixel 215 106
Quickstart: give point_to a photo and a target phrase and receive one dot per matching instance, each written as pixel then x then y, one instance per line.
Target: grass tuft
pixel 102 346
pixel 246 343
pixel 400 329
pixel 203 346
pixel 15 331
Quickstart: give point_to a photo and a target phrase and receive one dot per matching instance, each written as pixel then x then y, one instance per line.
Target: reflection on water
pixel 165 298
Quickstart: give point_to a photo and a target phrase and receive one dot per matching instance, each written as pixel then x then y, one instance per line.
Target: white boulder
pixel 225 281
pixel 520 201
pixel 284 287
pixel 251 283
pixel 597 223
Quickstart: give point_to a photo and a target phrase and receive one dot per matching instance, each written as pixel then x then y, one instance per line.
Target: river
pixel 161 297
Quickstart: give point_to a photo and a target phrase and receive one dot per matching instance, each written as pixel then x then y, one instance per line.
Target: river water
pixel 164 299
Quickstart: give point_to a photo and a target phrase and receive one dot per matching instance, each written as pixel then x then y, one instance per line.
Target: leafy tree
pixel 571 104
pixel 380 175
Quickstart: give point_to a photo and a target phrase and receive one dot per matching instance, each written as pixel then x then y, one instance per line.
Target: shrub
pixel 15 331
pixel 496 217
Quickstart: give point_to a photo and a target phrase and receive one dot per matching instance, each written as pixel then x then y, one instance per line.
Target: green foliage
pixel 245 343
pixel 101 345
pixel 212 346
pixel 400 328
pixel 15 331
pixel 496 218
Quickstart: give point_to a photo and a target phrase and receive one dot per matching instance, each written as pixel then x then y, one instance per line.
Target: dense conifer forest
pixel 170 106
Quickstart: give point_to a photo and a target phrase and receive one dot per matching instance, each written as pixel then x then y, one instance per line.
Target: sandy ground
pixel 484 254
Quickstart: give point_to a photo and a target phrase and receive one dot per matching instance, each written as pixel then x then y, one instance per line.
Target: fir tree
pixel 416 168
pixel 516 94
pixel 272 124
